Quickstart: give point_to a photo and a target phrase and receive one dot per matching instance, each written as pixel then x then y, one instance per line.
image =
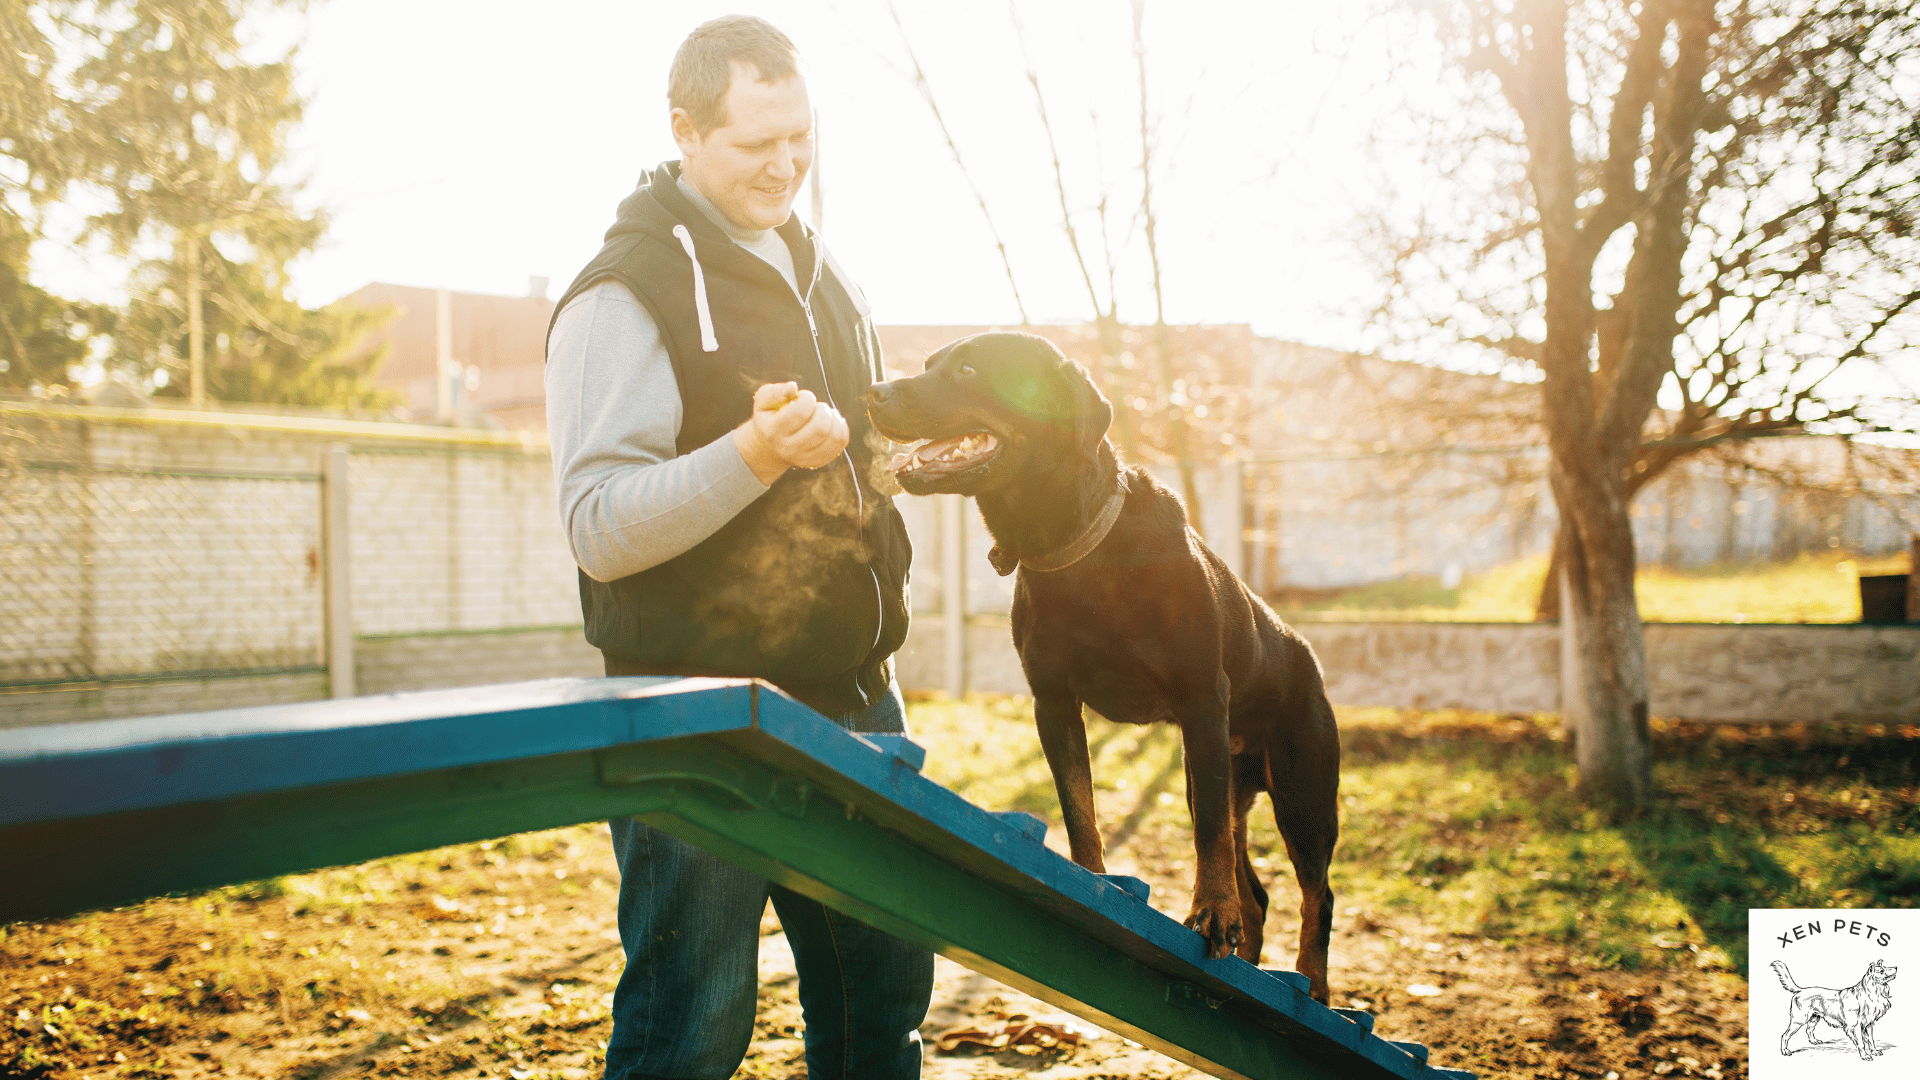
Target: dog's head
pixel 988 408
pixel 1881 972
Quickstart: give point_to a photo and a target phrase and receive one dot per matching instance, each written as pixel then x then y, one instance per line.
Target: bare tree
pixel 921 83
pixel 1685 219
pixel 1106 316
pixel 1176 397
pixel 1174 388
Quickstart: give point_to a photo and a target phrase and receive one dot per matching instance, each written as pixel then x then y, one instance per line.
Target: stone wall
pixel 1850 674
pixel 1496 667
pixel 386 664
pixel 1719 673
pixel 72 702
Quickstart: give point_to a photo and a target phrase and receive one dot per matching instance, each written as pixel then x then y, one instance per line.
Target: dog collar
pixel 1080 548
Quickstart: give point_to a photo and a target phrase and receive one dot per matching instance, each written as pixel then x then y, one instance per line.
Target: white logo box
pixel 1831 955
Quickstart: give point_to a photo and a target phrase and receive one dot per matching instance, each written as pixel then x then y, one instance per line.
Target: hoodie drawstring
pixel 708 343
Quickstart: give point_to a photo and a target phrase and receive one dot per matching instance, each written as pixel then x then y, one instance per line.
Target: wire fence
pixel 457 540
pixel 146 546
pixel 144 550
pixel 115 572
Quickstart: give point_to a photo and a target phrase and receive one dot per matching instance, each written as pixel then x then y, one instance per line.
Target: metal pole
pixel 953 589
pixel 442 354
pixel 196 334
pixel 1233 516
pixel 336 548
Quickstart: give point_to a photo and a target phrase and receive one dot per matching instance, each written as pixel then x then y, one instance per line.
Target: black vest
pixel 806 587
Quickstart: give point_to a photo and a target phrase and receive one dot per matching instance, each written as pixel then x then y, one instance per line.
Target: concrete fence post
pixel 1233 516
pixel 335 546
pixel 953 589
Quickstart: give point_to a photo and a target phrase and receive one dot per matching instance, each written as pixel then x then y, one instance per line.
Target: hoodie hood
pixel 657 210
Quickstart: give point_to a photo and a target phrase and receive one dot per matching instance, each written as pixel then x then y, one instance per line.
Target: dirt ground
pixel 512 976
pixel 499 959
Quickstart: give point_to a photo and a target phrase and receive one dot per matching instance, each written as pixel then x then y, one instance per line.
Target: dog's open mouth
pixel 934 456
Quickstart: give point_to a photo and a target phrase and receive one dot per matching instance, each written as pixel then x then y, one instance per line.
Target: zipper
pixel 853 473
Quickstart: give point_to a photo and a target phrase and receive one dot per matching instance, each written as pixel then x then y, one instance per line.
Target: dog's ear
pixel 1092 413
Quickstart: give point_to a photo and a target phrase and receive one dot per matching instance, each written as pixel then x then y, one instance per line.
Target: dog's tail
pixel 1786 980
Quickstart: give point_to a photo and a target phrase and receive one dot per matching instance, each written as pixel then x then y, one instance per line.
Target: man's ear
pixel 1093 414
pixel 685 135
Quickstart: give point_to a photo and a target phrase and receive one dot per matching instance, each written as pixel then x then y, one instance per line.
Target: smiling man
pixel 722 510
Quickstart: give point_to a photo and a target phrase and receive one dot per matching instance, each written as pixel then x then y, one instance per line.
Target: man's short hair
pixel 703 68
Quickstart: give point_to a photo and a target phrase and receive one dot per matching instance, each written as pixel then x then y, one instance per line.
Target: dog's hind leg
pixel 1311 855
pixel 1792 1027
pixel 1305 792
pixel 1801 1015
pixel 1249 780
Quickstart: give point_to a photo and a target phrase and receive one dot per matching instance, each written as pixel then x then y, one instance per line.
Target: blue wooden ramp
pixel 105 813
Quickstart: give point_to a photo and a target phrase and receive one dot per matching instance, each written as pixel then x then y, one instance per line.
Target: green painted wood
pixel 49 869
pixel 748 775
pixel 815 846
pixel 780 825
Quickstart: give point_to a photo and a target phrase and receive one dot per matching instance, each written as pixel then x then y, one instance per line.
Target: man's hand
pixel 789 429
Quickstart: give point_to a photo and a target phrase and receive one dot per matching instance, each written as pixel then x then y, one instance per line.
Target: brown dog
pixel 1119 606
pixel 1854 1010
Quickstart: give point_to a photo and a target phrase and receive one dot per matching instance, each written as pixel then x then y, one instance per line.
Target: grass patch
pixel 1812 588
pixel 1468 821
pixel 1472 818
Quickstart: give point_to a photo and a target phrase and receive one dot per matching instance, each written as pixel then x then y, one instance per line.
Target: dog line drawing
pixel 1854 1010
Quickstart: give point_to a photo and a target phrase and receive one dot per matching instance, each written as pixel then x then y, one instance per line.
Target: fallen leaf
pixel 1017 1032
pixel 440 909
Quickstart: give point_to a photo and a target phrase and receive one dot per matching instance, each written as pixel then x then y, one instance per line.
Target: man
pixel 722 509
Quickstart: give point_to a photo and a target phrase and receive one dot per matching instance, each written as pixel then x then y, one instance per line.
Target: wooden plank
pixel 94 814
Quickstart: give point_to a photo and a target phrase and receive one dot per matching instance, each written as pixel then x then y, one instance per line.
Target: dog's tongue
pixel 934 452
pixel 905 457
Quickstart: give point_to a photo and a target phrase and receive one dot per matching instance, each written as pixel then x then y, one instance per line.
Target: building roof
pixel 499 343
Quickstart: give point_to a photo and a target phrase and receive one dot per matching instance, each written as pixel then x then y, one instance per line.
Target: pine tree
pixel 41 335
pixel 187 138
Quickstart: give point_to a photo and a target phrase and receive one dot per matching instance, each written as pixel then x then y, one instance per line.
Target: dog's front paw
pixel 1218 920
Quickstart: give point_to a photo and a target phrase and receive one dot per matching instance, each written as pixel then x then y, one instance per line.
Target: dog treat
pixel 781 403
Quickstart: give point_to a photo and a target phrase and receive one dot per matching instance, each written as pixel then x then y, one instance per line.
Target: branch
pixel 1620 199
pixel 926 94
pixel 1053 148
pixel 1518 348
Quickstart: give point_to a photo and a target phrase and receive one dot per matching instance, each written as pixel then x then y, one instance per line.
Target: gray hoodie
pixel 613 417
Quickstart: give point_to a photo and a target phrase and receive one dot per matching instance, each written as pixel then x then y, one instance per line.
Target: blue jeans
pixel 690 925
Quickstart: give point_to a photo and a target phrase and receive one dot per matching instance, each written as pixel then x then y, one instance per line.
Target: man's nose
pixel 782 167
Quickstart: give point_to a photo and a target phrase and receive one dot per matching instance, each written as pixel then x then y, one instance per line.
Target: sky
pixel 473 145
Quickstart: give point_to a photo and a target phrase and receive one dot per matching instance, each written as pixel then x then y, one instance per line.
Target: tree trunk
pixel 1610 717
